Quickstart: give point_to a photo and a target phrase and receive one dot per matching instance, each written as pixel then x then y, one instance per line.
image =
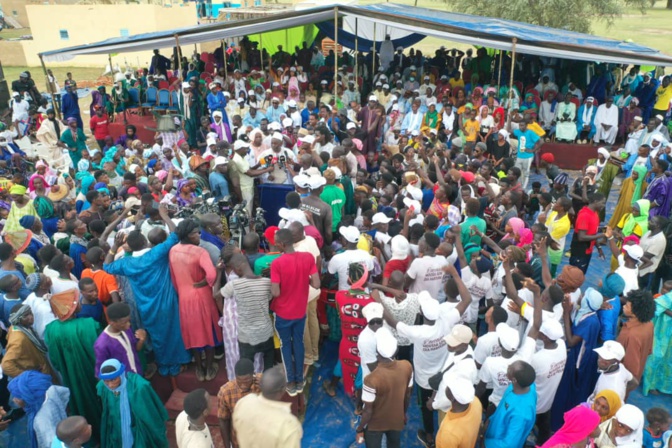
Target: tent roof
pixel 463 28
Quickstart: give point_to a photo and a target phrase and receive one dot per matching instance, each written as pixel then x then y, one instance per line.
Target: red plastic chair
pixel 163 84
pixel 576 102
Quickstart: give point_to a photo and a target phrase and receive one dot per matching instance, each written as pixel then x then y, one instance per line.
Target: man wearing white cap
pixel 613 374
pixel 219 186
pixel 606 122
pixel 585 121
pixel 459 365
pixel 274 112
pixel 429 352
pixel 280 158
pixel 320 210
pixel 493 371
pixel 380 224
pixel 661 128
pixel 386 395
pixel 412 120
pixel 244 174
pixel 351 95
pixel 549 361
pixel 351 254
pixel 460 427
pixel 366 344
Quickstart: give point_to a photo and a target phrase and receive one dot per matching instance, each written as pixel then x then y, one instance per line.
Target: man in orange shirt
pixel 108 290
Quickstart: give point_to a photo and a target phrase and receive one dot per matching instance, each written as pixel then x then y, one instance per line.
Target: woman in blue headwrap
pixel 86 181
pixel 133 415
pixel 582 330
pixel 44 403
pixel 612 287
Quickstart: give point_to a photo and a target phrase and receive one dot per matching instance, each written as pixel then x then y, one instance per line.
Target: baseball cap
pixel 508 337
pixel 372 311
pixel 351 125
pixel 239 144
pixel 316 182
pixel 634 251
pixel 291 103
pixel 611 350
pixel 460 334
pixel 462 389
pixel 552 329
pixel 386 343
pixel 428 305
pixel 302 181
pixel 373 98
pixel 287 122
pixel 350 233
pixel 467 176
pixel 380 218
pixel 415 192
pixel 219 160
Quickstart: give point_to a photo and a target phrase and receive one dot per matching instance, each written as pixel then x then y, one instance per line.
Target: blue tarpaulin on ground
pixel 464 28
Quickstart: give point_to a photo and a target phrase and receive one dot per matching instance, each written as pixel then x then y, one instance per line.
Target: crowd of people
pixel 417 237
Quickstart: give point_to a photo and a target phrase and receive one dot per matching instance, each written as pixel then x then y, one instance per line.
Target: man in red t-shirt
pixel 585 232
pixel 99 125
pixel 291 273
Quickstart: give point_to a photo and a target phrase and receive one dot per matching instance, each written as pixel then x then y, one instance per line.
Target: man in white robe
pixel 50 147
pixel 632 144
pixel 386 53
pixel 565 128
pixel 606 122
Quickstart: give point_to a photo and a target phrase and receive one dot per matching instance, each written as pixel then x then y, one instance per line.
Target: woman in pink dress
pixel 193 276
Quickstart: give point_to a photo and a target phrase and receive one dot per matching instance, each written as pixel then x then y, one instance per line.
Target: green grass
pixel 80 74
pixel 14 33
pixel 650 29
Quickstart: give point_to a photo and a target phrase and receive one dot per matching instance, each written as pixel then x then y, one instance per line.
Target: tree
pixel 573 15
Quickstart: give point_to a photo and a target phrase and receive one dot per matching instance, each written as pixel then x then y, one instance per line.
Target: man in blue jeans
pixel 291 274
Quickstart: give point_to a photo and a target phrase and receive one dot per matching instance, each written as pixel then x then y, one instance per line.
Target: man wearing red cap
pixel 548 162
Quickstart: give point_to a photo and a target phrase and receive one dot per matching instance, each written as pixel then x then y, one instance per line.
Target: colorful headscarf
pixel 31 182
pixel 181 184
pixel 31 386
pixel 579 423
pixel 516 224
pixel 590 303
pixel 18 189
pixel 613 400
pixel 526 237
pixel 612 285
pixel 642 220
pixel 639 183
pixel 15 321
pixel 44 207
pixel 124 405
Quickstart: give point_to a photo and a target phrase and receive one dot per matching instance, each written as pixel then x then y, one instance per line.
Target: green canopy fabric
pixel 288 38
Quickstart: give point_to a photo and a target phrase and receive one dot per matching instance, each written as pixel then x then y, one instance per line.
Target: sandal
pixel 200 374
pixel 212 372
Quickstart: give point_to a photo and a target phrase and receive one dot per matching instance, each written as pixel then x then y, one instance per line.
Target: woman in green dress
pixel 75 140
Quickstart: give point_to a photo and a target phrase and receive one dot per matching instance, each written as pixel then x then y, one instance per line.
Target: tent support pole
pixel 373 50
pixel 261 52
pixel 513 62
pixel 179 56
pixel 356 56
pixel 499 74
pixel 51 90
pixel 226 73
pixel 335 54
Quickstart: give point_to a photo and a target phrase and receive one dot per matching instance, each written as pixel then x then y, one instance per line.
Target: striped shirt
pixel 252 299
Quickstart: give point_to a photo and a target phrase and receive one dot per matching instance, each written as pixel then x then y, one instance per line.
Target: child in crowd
pixel 9 289
pixel 659 422
pixel 91 306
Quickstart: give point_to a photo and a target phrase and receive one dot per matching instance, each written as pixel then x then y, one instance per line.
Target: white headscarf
pixel 632 417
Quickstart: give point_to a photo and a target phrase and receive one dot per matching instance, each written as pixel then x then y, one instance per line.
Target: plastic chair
pixel 209 67
pixel 134 96
pixel 163 101
pixel 150 97
pixel 174 101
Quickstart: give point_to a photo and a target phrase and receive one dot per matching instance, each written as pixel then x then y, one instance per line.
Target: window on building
pixel 124 32
pixel 64 34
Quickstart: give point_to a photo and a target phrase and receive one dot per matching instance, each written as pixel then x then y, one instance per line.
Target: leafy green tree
pixel 574 15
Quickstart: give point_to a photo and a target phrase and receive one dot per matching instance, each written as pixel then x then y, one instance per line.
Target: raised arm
pixel 465 295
